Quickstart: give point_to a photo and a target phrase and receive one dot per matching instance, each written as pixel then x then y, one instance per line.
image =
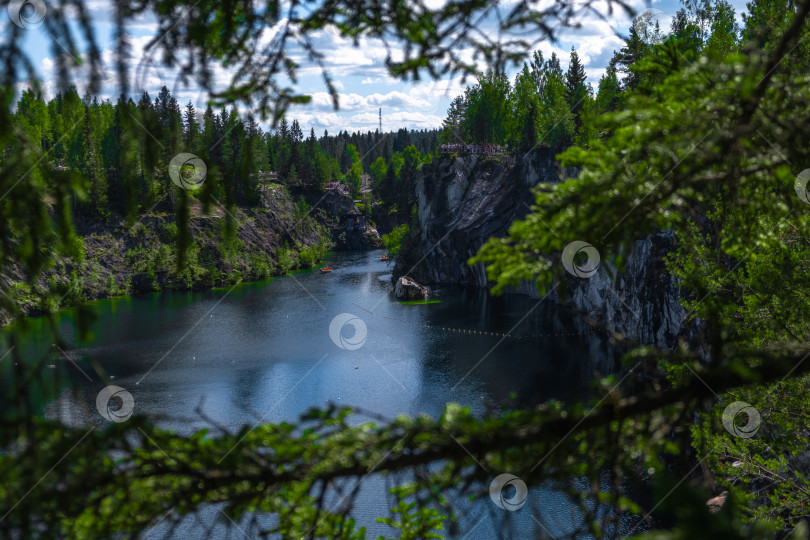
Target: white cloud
pixel 359 74
pixel 355 102
pixel 385 79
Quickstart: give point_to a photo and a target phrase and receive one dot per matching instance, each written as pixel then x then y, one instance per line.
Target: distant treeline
pixel 392 161
pixel 546 106
pixel 371 146
pixel 124 148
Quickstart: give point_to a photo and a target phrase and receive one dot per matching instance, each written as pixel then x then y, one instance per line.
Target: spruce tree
pixel 575 89
pixel 192 128
pixel 608 95
pixel 93 170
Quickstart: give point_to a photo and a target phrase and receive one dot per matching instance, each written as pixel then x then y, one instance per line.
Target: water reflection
pixel 261 352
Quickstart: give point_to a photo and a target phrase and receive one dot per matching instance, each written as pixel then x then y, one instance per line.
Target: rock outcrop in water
pixel 408 289
pixel 464 201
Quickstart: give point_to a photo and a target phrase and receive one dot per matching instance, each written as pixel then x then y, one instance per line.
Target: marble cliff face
pixel 464 201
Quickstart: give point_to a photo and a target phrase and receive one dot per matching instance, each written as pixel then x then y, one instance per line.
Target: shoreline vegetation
pixel 694 129
pixel 270 240
pixel 115 221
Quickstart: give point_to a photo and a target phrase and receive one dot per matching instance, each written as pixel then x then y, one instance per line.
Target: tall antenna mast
pixel 380 121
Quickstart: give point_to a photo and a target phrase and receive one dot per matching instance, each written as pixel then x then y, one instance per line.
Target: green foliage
pixel 414 522
pixel 608 97
pixel 588 128
pixel 454 127
pixel 544 107
pixel 396 163
pixel 285 259
pixel 306 259
pixel 526 111
pixel 315 253
pixel 683 151
pixel 78 253
pixel 741 258
pixel 112 287
pixel 353 175
pixel 231 249
pixel 397 187
pixel 303 218
pixel 576 91
pixel 170 232
pixel 487 110
pixel 557 122
pixel 394 240
pixel 378 170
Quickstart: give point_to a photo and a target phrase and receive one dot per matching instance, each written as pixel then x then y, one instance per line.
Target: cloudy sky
pixel 359 73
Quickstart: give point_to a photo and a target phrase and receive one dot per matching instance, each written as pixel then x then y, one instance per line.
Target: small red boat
pixel 384 257
pixel 326 269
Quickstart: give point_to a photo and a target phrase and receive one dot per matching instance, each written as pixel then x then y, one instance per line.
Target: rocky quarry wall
pixel 463 201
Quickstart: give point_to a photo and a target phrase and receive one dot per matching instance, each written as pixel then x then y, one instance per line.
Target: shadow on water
pixel 263 352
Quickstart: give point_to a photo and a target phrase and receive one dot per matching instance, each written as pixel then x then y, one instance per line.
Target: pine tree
pixel 32 115
pixel 173 132
pixel 401 140
pixel 228 158
pixel 488 114
pixel 587 129
pixel 93 169
pixel 553 66
pixel 308 165
pixel 633 50
pixel 556 121
pixel 162 106
pixel 388 187
pixel 453 124
pixel 129 159
pixel 295 138
pixel 284 148
pixel 575 89
pixel 284 128
pixel 537 70
pixel 608 97
pixel 192 128
pixel 57 125
pixel 72 111
pixel 149 149
pixel 292 175
pixel 525 101
pixel 295 132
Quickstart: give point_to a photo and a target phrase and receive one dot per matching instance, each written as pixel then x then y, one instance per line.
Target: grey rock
pixel 408 289
pixel 463 202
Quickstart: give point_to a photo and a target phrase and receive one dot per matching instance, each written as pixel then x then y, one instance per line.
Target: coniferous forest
pixel 103 140
pixel 694 137
pixel 122 154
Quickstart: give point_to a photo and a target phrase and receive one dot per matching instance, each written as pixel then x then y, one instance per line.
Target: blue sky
pixel 360 73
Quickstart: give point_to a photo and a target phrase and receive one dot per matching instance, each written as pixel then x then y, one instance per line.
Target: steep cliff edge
pixel 464 201
pixel 273 237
